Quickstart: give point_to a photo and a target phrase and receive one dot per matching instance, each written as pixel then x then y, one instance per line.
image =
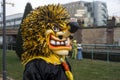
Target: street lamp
pixel 4 39
pixel 4 42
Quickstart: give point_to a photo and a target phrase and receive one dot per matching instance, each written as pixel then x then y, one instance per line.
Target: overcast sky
pixel 113 5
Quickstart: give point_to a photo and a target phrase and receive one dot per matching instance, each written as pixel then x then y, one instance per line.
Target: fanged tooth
pixel 66 42
pixel 52 42
pixel 57 43
pixel 62 43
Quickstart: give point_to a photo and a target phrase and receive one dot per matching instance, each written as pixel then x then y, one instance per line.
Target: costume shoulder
pixel 38 69
pixel 35 70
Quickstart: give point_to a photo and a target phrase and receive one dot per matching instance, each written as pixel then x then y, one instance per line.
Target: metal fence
pixel 9 46
pixel 108 50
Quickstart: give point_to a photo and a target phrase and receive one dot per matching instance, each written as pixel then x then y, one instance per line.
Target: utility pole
pixel 93 14
pixel 4 39
pixel 4 42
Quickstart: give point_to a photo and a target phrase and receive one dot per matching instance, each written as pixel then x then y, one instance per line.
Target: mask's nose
pixel 60 36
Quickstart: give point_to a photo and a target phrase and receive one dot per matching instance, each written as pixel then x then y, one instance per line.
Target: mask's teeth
pixel 57 43
pixel 62 43
pixel 66 42
pixel 52 42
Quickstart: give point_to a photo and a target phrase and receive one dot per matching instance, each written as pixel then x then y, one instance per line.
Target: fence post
pixel 108 51
pixel 92 53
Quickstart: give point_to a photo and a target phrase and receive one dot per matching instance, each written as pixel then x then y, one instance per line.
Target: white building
pixel 94 13
pixel 12 20
pixel 100 13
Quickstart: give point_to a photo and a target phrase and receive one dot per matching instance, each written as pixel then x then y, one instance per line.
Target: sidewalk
pixel 0 78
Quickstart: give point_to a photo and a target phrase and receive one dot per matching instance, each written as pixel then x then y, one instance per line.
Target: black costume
pixel 38 69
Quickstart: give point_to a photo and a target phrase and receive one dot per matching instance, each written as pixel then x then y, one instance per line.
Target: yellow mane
pixel 34 26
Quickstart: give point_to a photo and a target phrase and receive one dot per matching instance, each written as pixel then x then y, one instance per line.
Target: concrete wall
pixel 117 35
pixel 101 35
pixel 96 36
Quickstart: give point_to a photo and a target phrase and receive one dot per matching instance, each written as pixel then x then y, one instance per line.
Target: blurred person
pixel 79 54
pixel 74 49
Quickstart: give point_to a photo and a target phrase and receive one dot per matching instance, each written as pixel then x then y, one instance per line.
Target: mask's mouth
pixel 59 44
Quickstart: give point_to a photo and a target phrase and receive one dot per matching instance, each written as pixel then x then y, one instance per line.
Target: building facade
pixel 117 20
pixel 12 20
pixel 92 13
pixel 100 13
pixel 89 13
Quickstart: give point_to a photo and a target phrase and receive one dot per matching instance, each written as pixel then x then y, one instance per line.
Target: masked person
pixel 45 39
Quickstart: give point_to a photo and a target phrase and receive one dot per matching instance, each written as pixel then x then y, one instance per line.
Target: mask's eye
pixel 56 29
